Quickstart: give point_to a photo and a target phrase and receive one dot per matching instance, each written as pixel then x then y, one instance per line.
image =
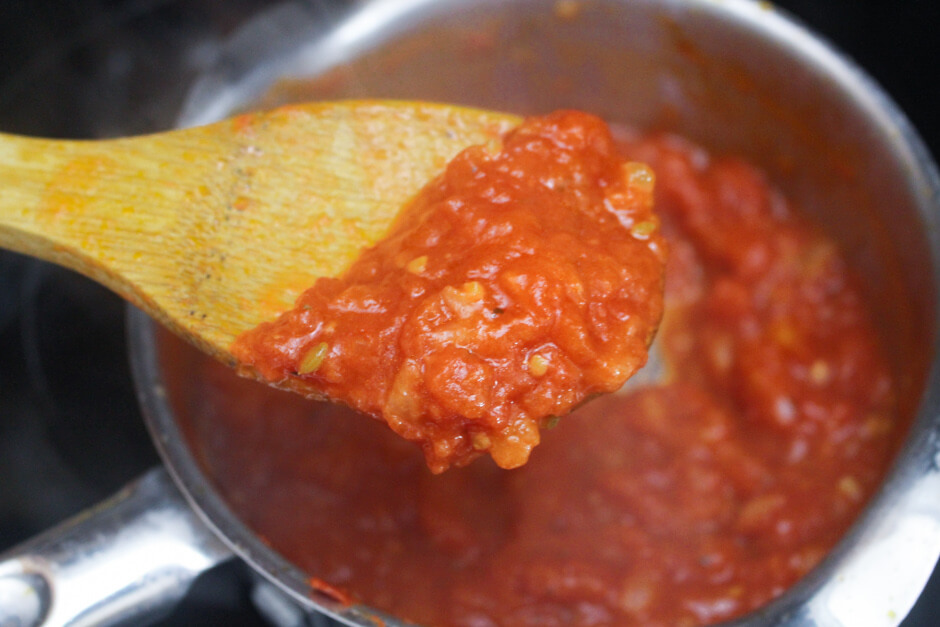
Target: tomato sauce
pixel 682 503
pixel 515 286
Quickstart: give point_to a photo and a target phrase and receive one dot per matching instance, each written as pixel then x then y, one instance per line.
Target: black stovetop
pixel 70 429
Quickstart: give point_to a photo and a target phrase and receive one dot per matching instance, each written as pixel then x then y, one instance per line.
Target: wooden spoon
pixel 211 230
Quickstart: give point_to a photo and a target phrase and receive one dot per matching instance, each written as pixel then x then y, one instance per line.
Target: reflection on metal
pixel 127 559
pixel 877 586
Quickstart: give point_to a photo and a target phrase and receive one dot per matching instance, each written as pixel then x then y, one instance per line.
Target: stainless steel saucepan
pixel 734 75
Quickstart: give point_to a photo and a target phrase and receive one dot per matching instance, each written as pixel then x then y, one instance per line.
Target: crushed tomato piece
pixel 516 285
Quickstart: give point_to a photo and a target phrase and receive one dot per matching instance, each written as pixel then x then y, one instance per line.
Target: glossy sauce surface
pixel 682 503
pixel 516 285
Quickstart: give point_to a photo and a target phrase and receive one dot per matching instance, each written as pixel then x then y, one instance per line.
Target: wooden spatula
pixel 213 229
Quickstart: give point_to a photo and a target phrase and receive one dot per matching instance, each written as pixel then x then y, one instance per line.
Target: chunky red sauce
pixel 514 287
pixel 678 504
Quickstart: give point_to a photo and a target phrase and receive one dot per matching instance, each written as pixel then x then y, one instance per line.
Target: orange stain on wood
pixel 69 193
pixel 281 293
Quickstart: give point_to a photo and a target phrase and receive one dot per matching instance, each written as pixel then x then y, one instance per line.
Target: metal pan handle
pixel 130 558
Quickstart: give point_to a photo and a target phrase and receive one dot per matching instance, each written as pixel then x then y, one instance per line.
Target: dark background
pixel 70 431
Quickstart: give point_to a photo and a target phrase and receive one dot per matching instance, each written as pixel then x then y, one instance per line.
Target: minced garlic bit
pixel 472 291
pixel 849 486
pixel 480 441
pixel 643 230
pixel 467 294
pixel 567 9
pixel 721 352
pixel 417 265
pixel 783 333
pixel 313 359
pixel 876 425
pixel 820 372
pixel 466 300
pixel 537 365
pixel 639 176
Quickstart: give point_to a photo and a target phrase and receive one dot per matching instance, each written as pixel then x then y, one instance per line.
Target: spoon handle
pixel 101 208
pixel 139 215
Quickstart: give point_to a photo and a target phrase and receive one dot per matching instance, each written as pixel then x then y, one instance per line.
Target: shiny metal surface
pixel 124 562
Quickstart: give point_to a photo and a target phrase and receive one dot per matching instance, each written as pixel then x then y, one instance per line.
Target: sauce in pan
pixel 682 503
